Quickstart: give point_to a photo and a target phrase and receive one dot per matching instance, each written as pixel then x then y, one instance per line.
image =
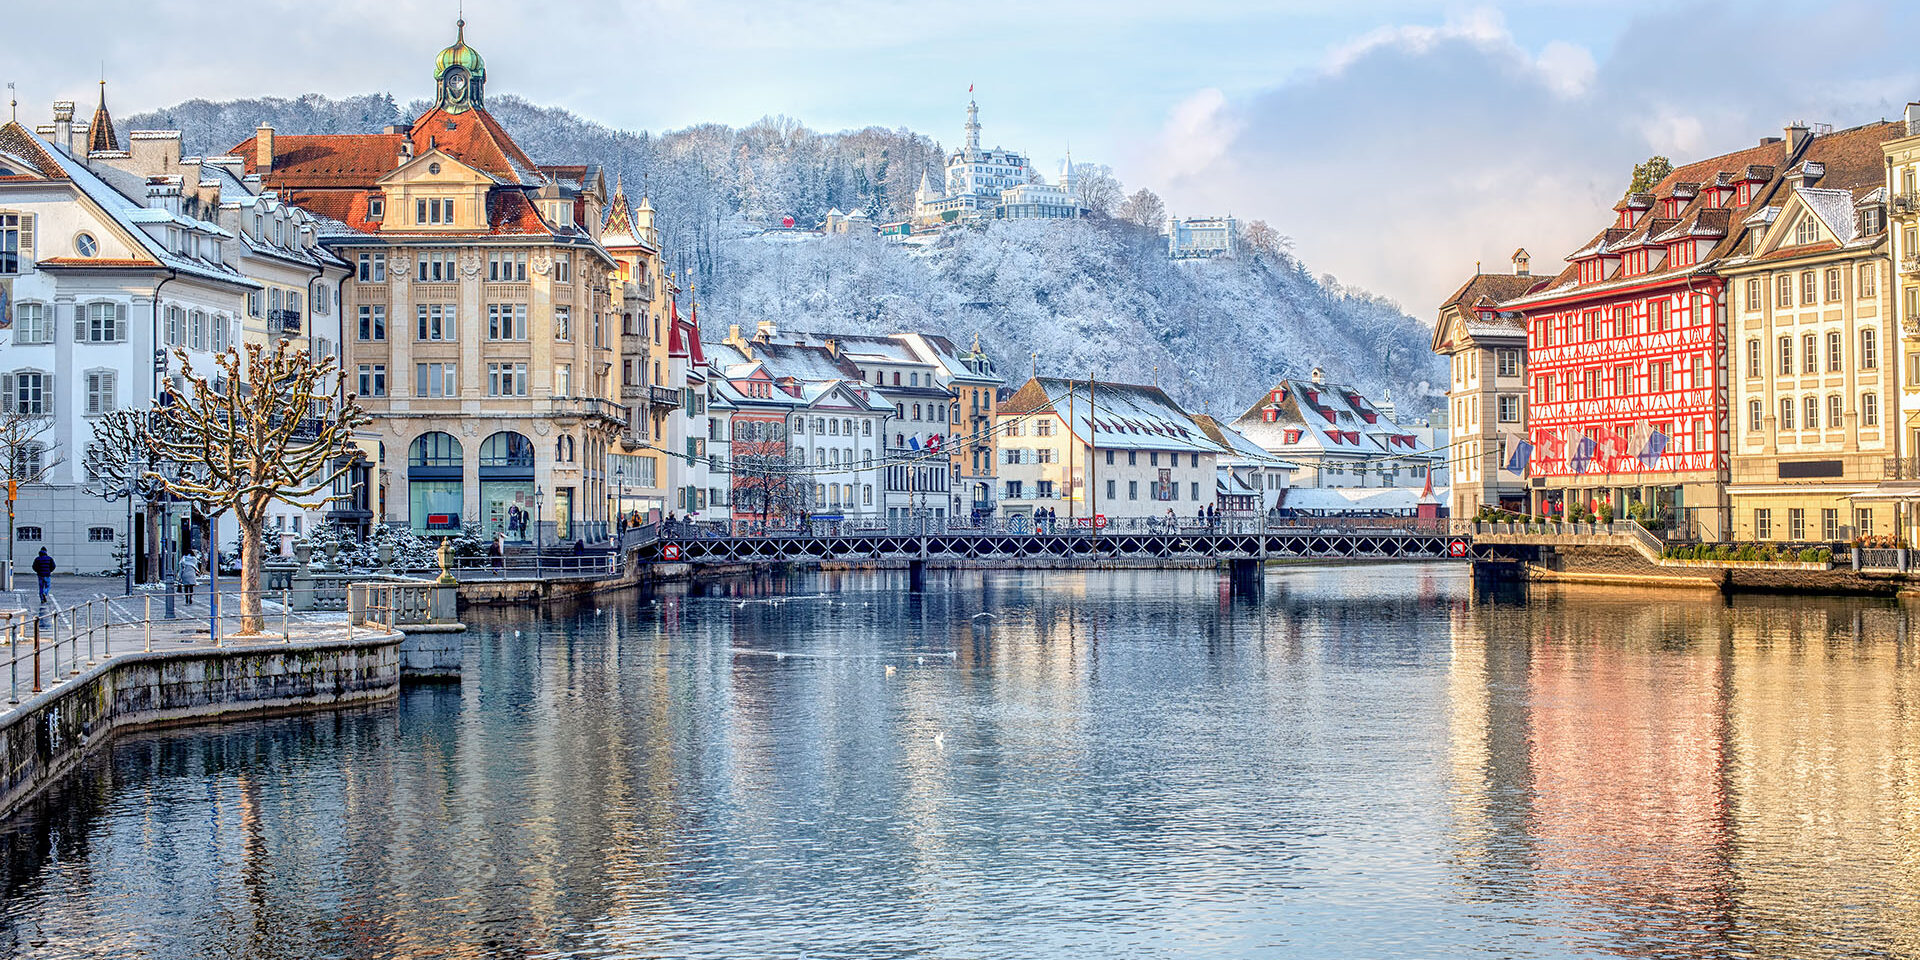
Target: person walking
pixel 496 552
pixel 43 567
pixel 187 574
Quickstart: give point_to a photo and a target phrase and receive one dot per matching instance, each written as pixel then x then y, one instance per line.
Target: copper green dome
pixel 460 55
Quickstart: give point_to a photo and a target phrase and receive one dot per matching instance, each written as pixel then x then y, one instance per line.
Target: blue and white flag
pixel 1521 455
pixel 1655 446
pixel 1582 454
pixel 913 443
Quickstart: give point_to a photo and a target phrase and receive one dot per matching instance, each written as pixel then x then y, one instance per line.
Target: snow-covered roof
pixel 1120 416
pixel 1307 420
pixel 1355 499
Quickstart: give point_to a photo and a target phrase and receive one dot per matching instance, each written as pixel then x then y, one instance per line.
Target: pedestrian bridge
pixel 1246 541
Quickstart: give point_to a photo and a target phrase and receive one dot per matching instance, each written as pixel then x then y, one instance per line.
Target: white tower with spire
pixel 973 130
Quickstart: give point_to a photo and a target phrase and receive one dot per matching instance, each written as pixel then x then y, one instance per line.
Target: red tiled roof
pixel 325 160
pixel 18 141
pixel 478 139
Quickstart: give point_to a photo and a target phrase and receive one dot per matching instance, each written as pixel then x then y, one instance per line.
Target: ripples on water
pixel 1364 762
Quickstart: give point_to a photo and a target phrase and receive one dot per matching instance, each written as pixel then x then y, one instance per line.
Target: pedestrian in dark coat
pixel 43 567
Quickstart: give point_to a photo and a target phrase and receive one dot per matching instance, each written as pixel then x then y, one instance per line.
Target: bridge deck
pixel 1382 544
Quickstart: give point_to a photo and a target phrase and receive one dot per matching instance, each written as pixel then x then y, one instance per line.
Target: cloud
pixel 1411 152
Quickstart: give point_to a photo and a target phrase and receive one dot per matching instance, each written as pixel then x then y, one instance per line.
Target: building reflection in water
pixel 1689 779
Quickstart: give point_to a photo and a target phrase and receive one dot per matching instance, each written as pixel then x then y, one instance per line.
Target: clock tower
pixel 459 76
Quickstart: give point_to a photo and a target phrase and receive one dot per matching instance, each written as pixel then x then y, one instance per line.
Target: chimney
pixel 1913 119
pixel 263 149
pixel 733 333
pixel 1319 375
pixel 765 331
pixel 1797 134
pixel 155 151
pixel 1520 261
pixel 63 124
pixel 833 347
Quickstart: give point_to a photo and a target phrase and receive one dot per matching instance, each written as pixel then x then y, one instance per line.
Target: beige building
pixel 1486 350
pixel 1811 349
pixel 645 478
pixel 481 331
pixel 1899 490
pixel 1117 450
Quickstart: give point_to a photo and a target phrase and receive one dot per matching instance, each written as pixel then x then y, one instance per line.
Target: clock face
pixel 457 83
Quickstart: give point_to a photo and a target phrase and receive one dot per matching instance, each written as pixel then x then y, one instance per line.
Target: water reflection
pixel 1374 761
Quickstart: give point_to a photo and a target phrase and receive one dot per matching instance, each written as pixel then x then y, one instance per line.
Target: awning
pixel 1890 493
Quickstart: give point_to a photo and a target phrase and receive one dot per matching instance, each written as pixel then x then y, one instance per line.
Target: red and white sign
pixel 1457 548
pixel 1099 521
pixel 671 551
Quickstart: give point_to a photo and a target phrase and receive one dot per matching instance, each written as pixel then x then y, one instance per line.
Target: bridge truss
pixel 1087 548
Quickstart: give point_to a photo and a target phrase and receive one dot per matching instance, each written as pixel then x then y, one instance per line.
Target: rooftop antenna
pixel 13 102
pixel 1034 356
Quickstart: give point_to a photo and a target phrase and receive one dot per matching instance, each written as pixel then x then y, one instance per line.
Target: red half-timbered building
pixel 1626 348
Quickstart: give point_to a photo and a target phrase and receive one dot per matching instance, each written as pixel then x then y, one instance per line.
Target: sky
pixel 1398 144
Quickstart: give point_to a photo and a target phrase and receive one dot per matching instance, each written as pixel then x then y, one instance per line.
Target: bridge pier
pixel 1248 574
pixel 916 575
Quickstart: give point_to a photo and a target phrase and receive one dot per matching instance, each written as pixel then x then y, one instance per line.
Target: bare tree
pixel 1263 239
pixel 24 455
pixel 261 439
pixel 1096 189
pixel 1144 209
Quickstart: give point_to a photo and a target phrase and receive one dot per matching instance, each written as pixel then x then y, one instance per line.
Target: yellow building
pixel 480 328
pixel 1900 485
pixel 1486 351
pixel 1811 341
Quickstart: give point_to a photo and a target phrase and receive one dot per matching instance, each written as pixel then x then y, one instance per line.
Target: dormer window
pixel 376 208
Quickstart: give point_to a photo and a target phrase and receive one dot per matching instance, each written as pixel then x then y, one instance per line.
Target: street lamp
pixel 620 498
pixel 538 494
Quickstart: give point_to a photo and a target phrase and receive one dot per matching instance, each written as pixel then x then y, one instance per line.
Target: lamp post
pixel 538 495
pixel 620 498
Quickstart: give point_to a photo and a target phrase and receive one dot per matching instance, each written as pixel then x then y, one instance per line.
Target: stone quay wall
pixel 48 734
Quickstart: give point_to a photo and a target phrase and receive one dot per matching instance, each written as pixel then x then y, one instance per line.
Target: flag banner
pixel 1637 439
pixel 913 443
pixel 1656 446
pixel 1582 455
pixel 1570 439
pixel 1518 460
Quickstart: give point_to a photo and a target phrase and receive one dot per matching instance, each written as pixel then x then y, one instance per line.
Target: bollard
pixel 146 642
pixel 286 605
pixel 13 662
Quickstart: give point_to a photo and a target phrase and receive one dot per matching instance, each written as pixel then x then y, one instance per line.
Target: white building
pixel 1338 437
pixel 96 287
pixel 992 183
pixel 1202 237
pixel 1108 449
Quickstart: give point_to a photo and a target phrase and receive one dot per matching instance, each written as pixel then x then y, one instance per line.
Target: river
pixel 1361 761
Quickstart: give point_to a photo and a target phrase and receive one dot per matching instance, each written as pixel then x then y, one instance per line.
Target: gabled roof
pixel 20 149
pixel 1484 293
pixel 1119 416
pixel 1327 419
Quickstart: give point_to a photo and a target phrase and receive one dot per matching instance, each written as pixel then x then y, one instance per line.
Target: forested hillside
pixel 1074 298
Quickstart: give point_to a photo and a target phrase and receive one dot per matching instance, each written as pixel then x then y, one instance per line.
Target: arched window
pixel 507 450
pixel 434 450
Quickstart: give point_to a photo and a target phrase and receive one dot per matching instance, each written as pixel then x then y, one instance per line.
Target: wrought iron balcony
pixel 1905 203
pixel 587 407
pixel 1901 468
pixel 663 396
pixel 283 321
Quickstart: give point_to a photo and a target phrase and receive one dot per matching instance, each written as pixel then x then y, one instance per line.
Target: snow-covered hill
pixel 1092 297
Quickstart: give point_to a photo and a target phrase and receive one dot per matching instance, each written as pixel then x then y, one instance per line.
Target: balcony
pixel 1904 204
pixel 1901 468
pixel 663 396
pixel 587 408
pixel 284 322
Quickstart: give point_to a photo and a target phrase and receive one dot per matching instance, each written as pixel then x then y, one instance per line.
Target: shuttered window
pixel 102 392
pixel 100 322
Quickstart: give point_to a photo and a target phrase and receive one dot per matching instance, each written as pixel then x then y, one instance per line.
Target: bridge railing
pixel 1023 526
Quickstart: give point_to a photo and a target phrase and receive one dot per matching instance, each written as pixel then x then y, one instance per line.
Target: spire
pixel 100 135
pixel 973 126
pixel 619 217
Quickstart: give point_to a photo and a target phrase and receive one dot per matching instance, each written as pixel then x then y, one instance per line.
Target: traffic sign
pixel 671 551
pixel 1099 521
pixel 1457 548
